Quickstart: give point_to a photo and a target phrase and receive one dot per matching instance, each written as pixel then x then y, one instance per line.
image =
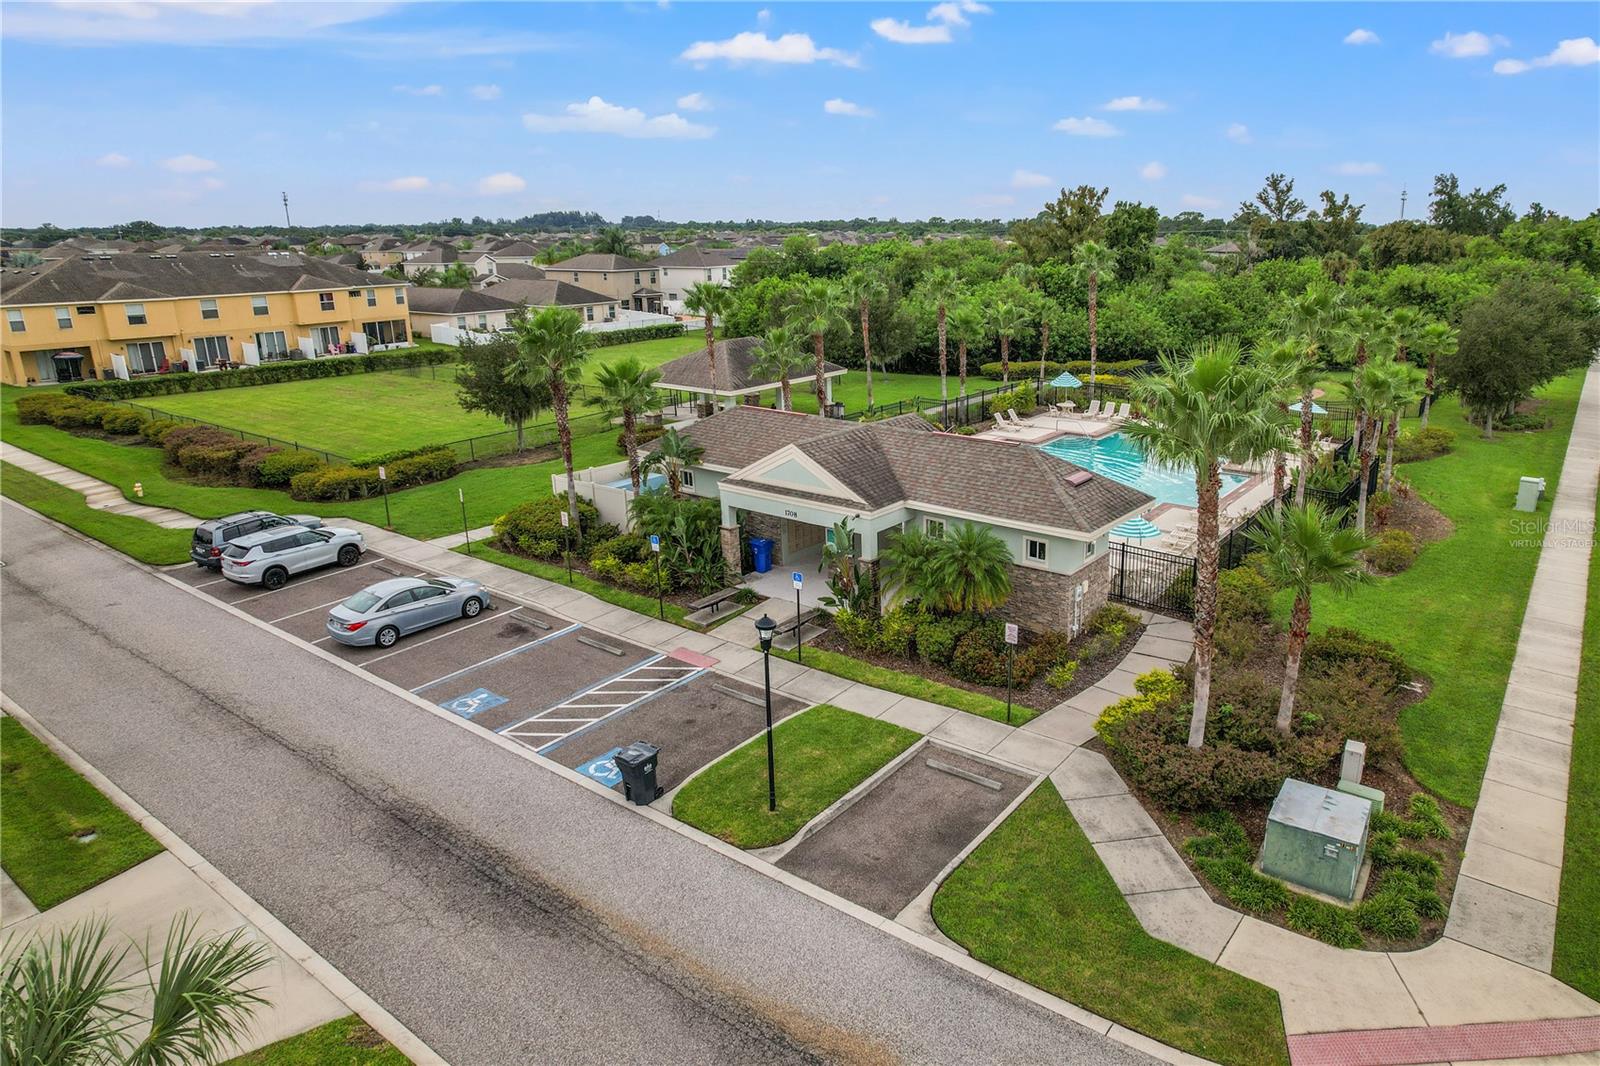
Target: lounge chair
pixel 1093 410
pixel 1122 412
pixel 1016 420
pixel 1004 426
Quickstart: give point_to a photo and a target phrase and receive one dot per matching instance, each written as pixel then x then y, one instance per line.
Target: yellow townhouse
pixel 124 315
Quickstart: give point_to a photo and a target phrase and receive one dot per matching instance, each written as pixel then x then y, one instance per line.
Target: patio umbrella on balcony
pixel 1316 408
pixel 1140 528
pixel 1065 380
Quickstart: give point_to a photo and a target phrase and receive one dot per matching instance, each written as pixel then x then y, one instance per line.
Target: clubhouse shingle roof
pixel 736 359
pixel 135 276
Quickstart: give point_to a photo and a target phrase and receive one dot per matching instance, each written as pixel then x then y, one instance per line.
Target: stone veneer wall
pixel 761 525
pixel 1041 599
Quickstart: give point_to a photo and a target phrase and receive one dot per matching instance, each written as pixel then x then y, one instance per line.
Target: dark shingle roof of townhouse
pixel 736 358
pixel 889 462
pixel 693 257
pixel 518 272
pixel 135 276
pixel 544 292
pixel 429 300
pixel 508 249
pixel 598 261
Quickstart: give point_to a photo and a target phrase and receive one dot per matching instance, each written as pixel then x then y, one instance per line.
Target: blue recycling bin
pixel 761 552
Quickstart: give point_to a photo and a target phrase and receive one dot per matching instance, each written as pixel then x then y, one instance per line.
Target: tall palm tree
pixel 1288 361
pixel 1373 388
pixel 674 454
pixel 614 240
pixel 1366 330
pixel 860 288
pixel 943 288
pixel 1091 260
pixel 1201 409
pixel 777 358
pixel 970 569
pixel 1306 546
pixel 551 349
pixel 1048 312
pixel 708 300
pixel 816 309
pixel 968 327
pixel 627 389
pixel 1438 339
pixel 1405 327
pixel 1007 319
pixel 1405 393
pixel 1312 324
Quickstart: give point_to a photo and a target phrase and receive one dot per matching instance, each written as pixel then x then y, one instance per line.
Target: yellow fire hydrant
pixel 138 489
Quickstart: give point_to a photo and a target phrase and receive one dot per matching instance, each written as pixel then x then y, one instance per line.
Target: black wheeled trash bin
pixel 638 765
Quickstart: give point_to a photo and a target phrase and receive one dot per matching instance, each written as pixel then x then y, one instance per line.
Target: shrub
pixel 1244 594
pixel 1021 399
pixel 1112 617
pixel 277 469
pixel 1414 445
pixel 1337 648
pixel 335 483
pixel 857 630
pixel 978 658
pixel 175 440
pixel 80 414
pixel 1389 914
pixel 220 460
pixel 936 641
pixel 1060 677
pixel 267 374
pixel 642 435
pixel 628 548
pixel 607 568
pixel 1157 690
pixel 124 421
pixel 1379 506
pixel 1257 561
pixel 435 465
pixel 1050 649
pixel 1394 550
pixel 155 431
pixel 250 463
pixel 896 629
pixel 1329 924
pixel 1236 638
pixel 34 408
pixel 636 333
pixel 646 577
pixel 537 522
pixel 1426 819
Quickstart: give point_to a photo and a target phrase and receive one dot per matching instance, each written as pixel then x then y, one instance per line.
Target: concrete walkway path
pixel 97 494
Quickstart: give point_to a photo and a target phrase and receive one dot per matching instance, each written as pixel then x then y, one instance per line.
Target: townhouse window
pixel 399 296
pixel 15 320
pixel 708 275
pixel 611 312
pixel 63 318
pixel 933 527
pixel 372 297
pixel 724 273
pixel 461 322
pixel 604 276
pixel 672 296
pixel 636 277
pixel 258 306
pixel 85 309
pixel 574 277
pixel 652 277
pixel 136 316
pixel 326 300
pixel 1037 551
pixel 146 357
pixel 208 309
pixel 483 321
pixel 588 312
pixel 272 345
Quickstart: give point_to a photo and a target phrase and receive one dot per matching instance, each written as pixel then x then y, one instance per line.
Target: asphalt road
pixel 501 912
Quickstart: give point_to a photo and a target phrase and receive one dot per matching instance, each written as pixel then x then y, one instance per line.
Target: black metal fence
pixel 1152 579
pixel 234 431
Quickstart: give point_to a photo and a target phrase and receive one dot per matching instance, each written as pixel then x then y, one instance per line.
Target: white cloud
pixel 694 102
pixel 763 16
pixel 1466 45
pixel 183 21
pixel 955 12
pixel 1153 171
pixel 113 159
pixel 1360 36
pixel 902 32
pixel 1358 170
pixel 837 106
pixel 420 90
pixel 1238 133
pixel 1575 52
pixel 1028 179
pixel 1199 203
pixel 1134 103
pixel 998 199
pixel 501 183
pixel 596 116
pixel 411 183
pixel 1086 127
pixel 750 47
pixel 189 164
pixel 485 92
pixel 211 184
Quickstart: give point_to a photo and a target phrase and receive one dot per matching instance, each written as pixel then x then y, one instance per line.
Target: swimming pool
pixel 650 481
pixel 1121 459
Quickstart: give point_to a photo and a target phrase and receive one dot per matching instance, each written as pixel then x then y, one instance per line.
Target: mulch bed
pixel 1418 517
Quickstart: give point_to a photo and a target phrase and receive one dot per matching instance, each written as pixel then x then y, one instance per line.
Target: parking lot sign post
pixel 799 640
pixel 383 483
pixel 465 532
pixel 661 593
pixel 566 545
pixel 1011 654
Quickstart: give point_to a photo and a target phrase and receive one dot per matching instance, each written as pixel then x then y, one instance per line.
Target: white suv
pixel 268 558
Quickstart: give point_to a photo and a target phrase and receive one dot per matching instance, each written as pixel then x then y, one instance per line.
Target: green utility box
pixel 1316 838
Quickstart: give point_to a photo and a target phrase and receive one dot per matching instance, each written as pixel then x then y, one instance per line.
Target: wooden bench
pixel 794 622
pixel 716 599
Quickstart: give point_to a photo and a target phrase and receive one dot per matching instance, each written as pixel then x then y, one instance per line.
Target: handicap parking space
pixel 890 844
pixel 694 722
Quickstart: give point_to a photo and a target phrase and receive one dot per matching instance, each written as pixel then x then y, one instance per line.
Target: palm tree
pixel 860 288
pixel 943 288
pixel 1366 330
pixel 614 240
pixel 1312 323
pixel 1405 394
pixel 1207 407
pixel 1374 387
pixel 674 454
pixel 427 277
pixel 905 564
pixel 817 309
pixel 777 358
pixel 1049 314
pixel 551 350
pixel 61 1001
pixel 1405 327
pixel 970 569
pixel 1007 320
pixel 1305 546
pixel 1091 259
pixel 1288 361
pixel 1438 339
pixel 627 389
pixel 708 300
pixel 968 327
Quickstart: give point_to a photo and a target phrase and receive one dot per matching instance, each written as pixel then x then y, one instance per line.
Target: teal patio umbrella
pixel 1140 528
pixel 1065 380
pixel 1316 408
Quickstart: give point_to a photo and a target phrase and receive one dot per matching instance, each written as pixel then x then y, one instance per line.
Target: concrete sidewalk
pixel 96 493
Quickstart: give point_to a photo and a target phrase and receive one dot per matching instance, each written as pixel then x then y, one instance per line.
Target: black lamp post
pixel 765 628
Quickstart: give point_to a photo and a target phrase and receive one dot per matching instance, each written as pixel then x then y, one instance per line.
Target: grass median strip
pixel 144 541
pixel 1577 957
pixel 1034 900
pixel 839 665
pixel 59 835
pixel 821 755
pixel 347 1041
pixel 633 601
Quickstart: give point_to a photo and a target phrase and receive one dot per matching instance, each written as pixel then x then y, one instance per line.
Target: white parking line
pixel 318 607
pixel 208 584
pixel 306 581
pixel 497 658
pixel 453 630
pixel 615 702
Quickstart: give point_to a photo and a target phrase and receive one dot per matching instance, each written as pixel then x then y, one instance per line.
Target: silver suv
pixel 269 558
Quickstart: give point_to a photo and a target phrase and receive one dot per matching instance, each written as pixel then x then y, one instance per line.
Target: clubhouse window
pixel 1037 552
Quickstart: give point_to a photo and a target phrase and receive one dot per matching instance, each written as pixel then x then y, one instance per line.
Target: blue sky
pixel 202 112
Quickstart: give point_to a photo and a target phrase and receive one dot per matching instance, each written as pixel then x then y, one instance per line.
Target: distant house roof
pixel 135 276
pixel 736 359
pixel 517 272
pixel 693 257
pixel 544 292
pixel 434 256
pixel 507 250
pixel 598 261
pixel 429 300
pixel 882 464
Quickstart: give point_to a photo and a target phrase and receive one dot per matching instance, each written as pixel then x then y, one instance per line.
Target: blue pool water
pixel 650 481
pixel 1120 459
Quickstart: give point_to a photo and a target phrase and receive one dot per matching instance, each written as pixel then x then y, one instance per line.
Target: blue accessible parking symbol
pixel 473 703
pixel 603 769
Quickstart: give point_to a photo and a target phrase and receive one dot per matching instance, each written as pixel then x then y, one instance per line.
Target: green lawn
pixel 1456 613
pixel 344 1041
pixel 1577 958
pixel 633 601
pixel 49 809
pixel 143 540
pixel 851 390
pixel 985 706
pixel 820 755
pixel 1034 900
pixel 650 353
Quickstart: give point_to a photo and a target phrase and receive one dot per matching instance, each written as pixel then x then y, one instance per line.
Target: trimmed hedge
pixel 267 374
pixel 277 469
pixel 637 333
pixel 359 482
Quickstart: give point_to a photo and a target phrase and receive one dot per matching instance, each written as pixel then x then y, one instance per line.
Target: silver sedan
pixel 381 614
